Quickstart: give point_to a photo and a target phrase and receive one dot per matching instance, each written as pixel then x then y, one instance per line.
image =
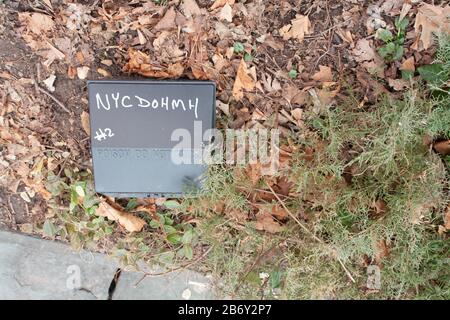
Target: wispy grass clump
pixel 374 191
pixel 394 193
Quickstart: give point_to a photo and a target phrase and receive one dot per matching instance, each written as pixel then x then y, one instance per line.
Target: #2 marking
pixel 103 134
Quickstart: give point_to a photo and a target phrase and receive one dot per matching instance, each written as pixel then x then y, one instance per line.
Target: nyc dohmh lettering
pixel 116 100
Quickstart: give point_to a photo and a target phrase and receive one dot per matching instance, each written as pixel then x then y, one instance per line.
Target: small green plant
pixel 248 57
pixel 181 235
pixel 437 74
pixel 293 73
pixel 392 50
pixel 437 77
pixel 72 210
pixel 238 47
pixel 72 217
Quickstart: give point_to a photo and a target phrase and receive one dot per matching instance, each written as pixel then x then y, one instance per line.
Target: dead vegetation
pixel 359 92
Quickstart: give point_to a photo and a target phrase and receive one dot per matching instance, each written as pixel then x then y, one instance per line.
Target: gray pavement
pixel 32 268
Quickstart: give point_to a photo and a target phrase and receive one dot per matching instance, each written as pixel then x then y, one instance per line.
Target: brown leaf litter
pixel 140 63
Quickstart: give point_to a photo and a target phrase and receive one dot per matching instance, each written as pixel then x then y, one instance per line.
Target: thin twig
pixel 12 214
pixel 309 232
pixel 346 270
pixel 59 103
pixel 265 191
pixel 293 216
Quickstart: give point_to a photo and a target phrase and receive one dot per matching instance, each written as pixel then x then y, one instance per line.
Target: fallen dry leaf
pixel 379 209
pixel 442 147
pixel 150 209
pixel 297 114
pixel 44 49
pixel 237 215
pixel 243 81
pixel 224 107
pixel 363 51
pixel 84 117
pixel 52 54
pixel 49 83
pixel 447 218
pixel 130 222
pixel 71 72
pixel 80 57
pixel 82 72
pixel 253 171
pixel 48 3
pixel 167 22
pixel 36 22
pixel 294 95
pixel 107 62
pixel 141 37
pixel 375 67
pixel 270 41
pixel 382 251
pixel 191 8
pixel 323 75
pixel 429 20
pixel 345 35
pixel 278 212
pixel 297 29
pixel 270 84
pixel 398 84
pixel 104 72
pixel 265 222
pixel 405 9
pixel 300 26
pixel 221 3
pixel 226 13
pixel 408 64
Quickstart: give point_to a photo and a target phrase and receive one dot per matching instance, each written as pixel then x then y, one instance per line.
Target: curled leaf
pixel 140 63
pixel 130 222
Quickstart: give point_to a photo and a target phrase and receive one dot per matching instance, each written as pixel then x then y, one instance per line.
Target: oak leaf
pixel 297 29
pixel 243 81
pixel 300 26
pixel 431 19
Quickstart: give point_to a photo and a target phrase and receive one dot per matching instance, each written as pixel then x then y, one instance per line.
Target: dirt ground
pixel 276 63
pixel 61 130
